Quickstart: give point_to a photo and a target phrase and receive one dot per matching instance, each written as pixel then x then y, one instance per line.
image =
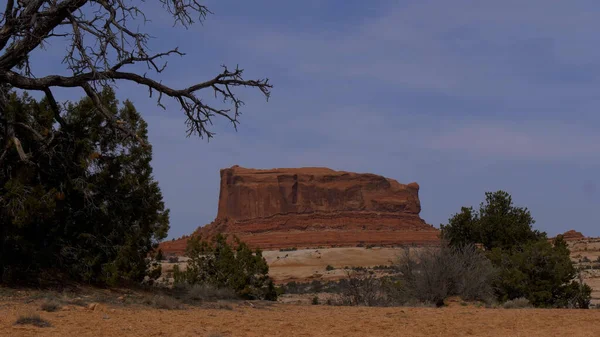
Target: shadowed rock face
pixel 308 207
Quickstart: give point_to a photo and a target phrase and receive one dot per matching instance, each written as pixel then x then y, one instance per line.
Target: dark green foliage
pixel 159 255
pixel 497 224
pixel 223 265
pixel 315 300
pixel 82 204
pixel 541 272
pixel 528 265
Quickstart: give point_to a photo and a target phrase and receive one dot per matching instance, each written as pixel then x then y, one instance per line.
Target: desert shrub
pixel 586 259
pixel 50 305
pixel 528 265
pixel 517 303
pixel 316 286
pixel 433 274
pixel 159 255
pixel 32 319
pixel 363 288
pixel 164 302
pixel 315 300
pixel 223 265
pixel 329 267
pixel 540 271
pixel 173 259
pixel 359 269
pixel 208 292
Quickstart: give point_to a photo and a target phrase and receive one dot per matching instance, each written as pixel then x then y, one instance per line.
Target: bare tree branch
pixel 102 43
pixel 54 106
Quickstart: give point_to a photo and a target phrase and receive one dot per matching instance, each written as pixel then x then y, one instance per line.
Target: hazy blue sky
pixel 461 96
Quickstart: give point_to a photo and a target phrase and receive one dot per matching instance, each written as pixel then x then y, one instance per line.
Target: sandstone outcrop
pixel 572 235
pixel 309 207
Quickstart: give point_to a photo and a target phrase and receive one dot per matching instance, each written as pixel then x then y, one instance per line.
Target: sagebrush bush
pixel 517 303
pixel 164 302
pixel 433 274
pixel 207 292
pixel 32 319
pixel 50 305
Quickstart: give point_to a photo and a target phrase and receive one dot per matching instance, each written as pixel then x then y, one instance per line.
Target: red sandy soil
pixel 301 320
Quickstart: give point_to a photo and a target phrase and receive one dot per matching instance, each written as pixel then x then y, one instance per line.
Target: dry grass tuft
pixel 517 303
pixel 32 319
pixel 50 305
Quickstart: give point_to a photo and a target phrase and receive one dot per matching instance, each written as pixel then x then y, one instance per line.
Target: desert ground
pixel 293 315
pixel 243 319
pixel 305 265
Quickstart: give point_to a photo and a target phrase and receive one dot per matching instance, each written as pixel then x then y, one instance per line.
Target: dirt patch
pixel 303 320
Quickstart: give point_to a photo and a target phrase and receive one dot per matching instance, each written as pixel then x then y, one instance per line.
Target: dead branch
pixel 102 43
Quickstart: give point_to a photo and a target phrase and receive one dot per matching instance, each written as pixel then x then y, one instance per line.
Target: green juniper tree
pixel 528 264
pixel 227 265
pixel 77 200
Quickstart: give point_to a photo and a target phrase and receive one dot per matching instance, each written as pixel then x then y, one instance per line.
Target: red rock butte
pixel 311 207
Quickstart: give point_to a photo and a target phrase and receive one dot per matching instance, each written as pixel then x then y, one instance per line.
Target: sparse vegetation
pixel 32 319
pixel 315 300
pixel 208 292
pixel 517 303
pixel 329 267
pixel 528 265
pixel 288 249
pixel 432 275
pixel 50 305
pixel 164 302
pixel 223 265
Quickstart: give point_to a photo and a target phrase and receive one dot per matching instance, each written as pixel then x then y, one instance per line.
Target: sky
pixel 462 96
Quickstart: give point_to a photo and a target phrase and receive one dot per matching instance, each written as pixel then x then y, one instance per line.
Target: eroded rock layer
pixel 308 207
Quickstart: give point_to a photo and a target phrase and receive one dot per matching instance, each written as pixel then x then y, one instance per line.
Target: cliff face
pixel 308 207
pixel 252 194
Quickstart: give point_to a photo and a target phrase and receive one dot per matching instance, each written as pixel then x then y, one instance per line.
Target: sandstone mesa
pixel 313 206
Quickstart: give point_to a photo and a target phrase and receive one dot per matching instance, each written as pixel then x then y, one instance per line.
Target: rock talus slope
pixel 309 207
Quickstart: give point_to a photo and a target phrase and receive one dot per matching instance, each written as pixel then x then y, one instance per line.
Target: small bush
pixel 32 319
pixel 517 303
pixel 159 255
pixel 315 300
pixel 227 265
pixel 50 305
pixel 432 275
pixel 164 302
pixel 329 267
pixel 207 292
pixel 173 259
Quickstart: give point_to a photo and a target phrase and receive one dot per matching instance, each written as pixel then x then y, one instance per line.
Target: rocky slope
pixel 310 207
